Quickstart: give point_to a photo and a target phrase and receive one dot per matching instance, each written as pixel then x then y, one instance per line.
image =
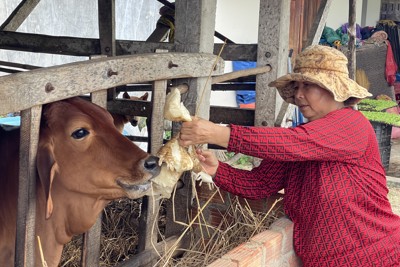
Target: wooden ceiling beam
pixel 74 46
pixel 18 16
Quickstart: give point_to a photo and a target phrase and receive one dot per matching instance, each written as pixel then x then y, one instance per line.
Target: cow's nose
pixel 151 164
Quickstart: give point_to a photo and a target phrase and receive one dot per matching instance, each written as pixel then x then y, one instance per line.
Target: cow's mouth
pixel 137 188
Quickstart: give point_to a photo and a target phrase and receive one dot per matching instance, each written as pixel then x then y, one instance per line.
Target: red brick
pixel 246 255
pixel 284 226
pixel 271 242
pixel 223 263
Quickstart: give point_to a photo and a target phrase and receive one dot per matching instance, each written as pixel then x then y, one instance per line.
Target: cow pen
pixel 192 58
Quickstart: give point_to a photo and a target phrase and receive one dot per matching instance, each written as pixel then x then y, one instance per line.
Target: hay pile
pixel 119 237
pixel 239 223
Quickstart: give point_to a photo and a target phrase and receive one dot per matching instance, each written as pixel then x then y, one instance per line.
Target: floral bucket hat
pixel 325 67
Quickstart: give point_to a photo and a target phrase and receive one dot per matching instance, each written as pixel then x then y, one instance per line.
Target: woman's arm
pixel 337 137
pixel 261 182
pixel 200 131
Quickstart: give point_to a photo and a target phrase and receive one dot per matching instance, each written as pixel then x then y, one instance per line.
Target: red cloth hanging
pixel 391 66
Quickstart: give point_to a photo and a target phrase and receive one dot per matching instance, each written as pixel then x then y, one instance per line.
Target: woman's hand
pixel 208 161
pixel 200 131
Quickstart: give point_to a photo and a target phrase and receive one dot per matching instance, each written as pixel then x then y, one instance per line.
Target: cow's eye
pixel 80 133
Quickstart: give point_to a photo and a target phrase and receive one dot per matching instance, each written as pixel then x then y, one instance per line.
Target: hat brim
pixel 342 88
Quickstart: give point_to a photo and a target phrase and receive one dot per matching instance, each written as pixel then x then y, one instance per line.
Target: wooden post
pixel 30 123
pixel 194 33
pixel 352 39
pixel 150 207
pixel 107 34
pixel 25 237
pixel 273 50
pixel 195 26
pixel 106 12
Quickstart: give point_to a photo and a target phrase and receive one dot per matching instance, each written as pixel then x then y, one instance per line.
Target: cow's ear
pixel 144 97
pixel 47 168
pixel 125 95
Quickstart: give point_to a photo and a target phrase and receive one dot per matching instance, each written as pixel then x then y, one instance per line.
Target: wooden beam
pixel 40 43
pixel 227 115
pixel 18 16
pixel 240 52
pixel 216 34
pixel 9 70
pixel 26 89
pixel 159 33
pixel 130 107
pixel 319 23
pixel 18 65
pixel 240 73
pixel 218 114
pixel 74 46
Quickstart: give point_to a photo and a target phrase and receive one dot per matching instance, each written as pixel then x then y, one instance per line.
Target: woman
pixel 330 168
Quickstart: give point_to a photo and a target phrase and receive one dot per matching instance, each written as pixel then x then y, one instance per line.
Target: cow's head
pixel 81 151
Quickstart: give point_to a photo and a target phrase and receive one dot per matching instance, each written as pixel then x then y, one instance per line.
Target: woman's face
pixel 313 101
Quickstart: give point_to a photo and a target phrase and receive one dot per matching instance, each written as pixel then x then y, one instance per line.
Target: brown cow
pixel 83 163
pixel 121 120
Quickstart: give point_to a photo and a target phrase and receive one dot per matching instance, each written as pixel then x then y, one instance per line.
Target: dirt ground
pixel 394 176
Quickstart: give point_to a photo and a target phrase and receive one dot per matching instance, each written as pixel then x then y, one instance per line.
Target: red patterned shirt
pixel 335 188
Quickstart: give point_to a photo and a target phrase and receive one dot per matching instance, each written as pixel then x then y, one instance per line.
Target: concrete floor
pixel 394 163
pixel 393 176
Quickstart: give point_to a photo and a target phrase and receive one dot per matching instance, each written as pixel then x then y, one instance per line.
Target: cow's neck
pixel 76 215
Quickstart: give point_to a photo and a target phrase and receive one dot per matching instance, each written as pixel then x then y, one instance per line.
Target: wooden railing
pixel 28 91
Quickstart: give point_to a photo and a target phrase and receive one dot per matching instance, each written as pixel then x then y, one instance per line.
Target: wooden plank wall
pixel 302 18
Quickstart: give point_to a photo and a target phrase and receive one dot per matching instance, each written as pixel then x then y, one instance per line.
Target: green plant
pixel 167 135
pixel 368 104
pixel 383 117
pixel 375 110
pixel 244 160
pixel 239 160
